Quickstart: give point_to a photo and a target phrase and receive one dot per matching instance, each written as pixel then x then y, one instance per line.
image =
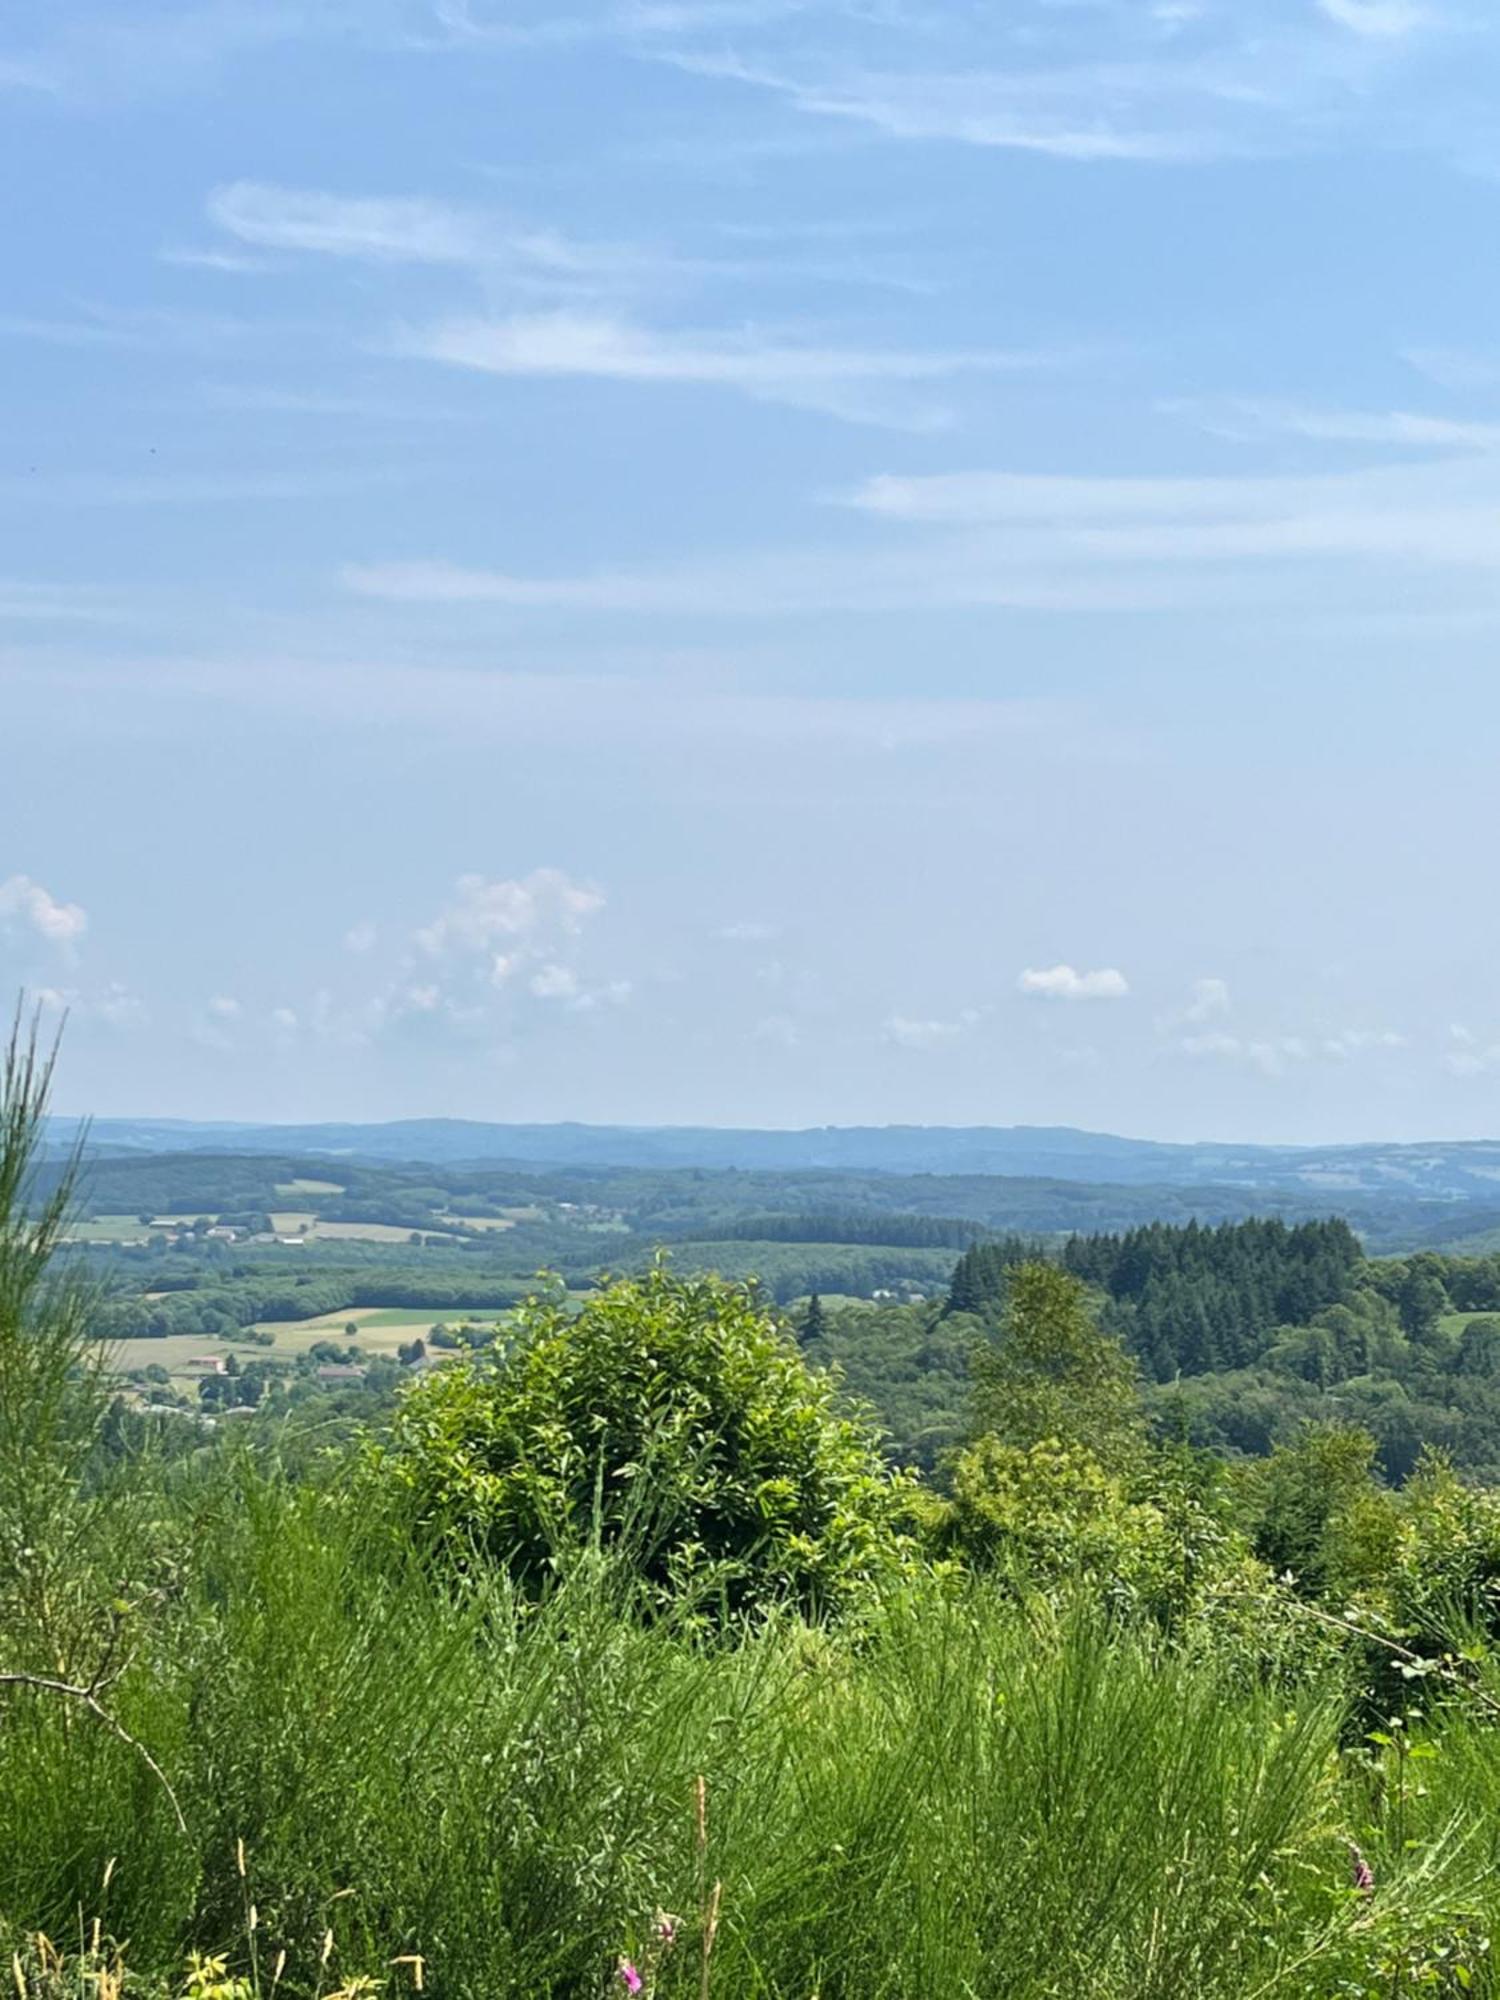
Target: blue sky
pixel 756 561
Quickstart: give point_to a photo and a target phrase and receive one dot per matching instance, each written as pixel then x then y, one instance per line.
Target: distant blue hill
pixel 1456 1171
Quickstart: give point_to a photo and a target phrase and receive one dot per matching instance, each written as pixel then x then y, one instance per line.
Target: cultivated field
pixel 110 1229
pixel 305 1223
pixel 382 1330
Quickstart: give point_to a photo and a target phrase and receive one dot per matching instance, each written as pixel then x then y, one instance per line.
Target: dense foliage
pixel 673 1416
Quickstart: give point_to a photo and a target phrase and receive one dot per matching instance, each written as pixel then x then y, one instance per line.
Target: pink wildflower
pixel 1363 1873
pixel 629 1978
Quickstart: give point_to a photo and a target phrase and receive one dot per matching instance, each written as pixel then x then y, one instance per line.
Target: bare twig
pixel 1440 1668
pixel 88 1697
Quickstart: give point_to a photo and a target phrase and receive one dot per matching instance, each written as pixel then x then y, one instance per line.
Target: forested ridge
pixel 1241 1332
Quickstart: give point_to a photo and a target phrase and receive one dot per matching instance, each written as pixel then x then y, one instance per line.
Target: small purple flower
pixel 629 1978
pixel 666 1930
pixel 1363 1874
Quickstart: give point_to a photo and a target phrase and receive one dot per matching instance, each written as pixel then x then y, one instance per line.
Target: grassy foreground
pixel 962 1798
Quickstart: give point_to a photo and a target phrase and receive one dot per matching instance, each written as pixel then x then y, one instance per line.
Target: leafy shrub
pixel 674 1419
pixel 1053 1374
pixel 1052 1513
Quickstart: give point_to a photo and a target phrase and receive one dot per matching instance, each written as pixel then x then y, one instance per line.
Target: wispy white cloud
pixel 1065 543
pixel 778 1029
pixel 1174 83
pixel 371 406
pixel 852 383
pixel 19 75
pixel 783 584
pixel 1386 20
pixel 1247 420
pixel 374 229
pixel 44 601
pixel 189 258
pixel 1458 368
pixel 909 1033
pixel 108 53
pixel 174 489
pixel 525 259
pixel 684 711
pixel 1432 513
pixel 1065 982
pixel 157 329
pixel 1086 115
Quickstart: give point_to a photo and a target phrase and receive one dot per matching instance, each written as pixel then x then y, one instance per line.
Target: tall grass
pixel 962 1799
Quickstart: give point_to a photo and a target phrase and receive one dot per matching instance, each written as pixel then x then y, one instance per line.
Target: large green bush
pixel 674 1420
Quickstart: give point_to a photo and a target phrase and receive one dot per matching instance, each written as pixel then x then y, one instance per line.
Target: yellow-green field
pixel 1453 1324
pixel 110 1229
pixel 303 1222
pixel 125 1229
pixel 303 1186
pixel 367 1232
pixel 382 1329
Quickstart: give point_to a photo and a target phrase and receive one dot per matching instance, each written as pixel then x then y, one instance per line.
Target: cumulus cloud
pixel 499 941
pixel 113 1005
pixel 1210 1000
pixel 26 906
pixel 1273 1055
pixel 486 917
pixel 1362 1041
pixel 779 1029
pixel 1270 1055
pixel 1468 1055
pixel 554 982
pixel 498 951
pixel 1064 982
